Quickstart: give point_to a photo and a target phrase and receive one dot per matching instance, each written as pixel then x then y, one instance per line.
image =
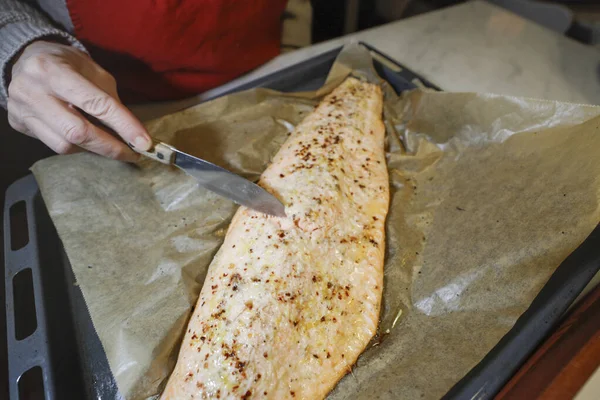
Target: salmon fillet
pixel 289 303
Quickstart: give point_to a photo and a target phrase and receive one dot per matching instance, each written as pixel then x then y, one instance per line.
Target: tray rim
pixel 482 381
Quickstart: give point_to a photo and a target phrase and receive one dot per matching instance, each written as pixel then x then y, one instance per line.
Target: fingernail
pixel 141 143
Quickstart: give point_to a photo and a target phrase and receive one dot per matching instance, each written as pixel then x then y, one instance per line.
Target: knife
pixel 218 180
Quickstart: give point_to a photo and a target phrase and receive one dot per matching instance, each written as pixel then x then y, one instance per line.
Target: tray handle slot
pixel 31 384
pixel 19 233
pixel 24 304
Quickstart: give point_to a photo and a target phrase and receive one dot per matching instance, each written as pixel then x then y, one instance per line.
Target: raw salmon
pixel 289 303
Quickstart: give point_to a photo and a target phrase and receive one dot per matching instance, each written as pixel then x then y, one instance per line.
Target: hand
pixel 51 83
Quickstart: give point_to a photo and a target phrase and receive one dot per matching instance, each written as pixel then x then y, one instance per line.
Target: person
pixel 61 60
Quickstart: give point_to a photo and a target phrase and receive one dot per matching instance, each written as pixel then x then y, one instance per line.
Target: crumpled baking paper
pixel 489 195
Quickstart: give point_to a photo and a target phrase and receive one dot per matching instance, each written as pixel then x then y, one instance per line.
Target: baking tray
pixel 62 346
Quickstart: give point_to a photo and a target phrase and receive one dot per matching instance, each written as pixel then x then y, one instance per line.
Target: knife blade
pixel 218 180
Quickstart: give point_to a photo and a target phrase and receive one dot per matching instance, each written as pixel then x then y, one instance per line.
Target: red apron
pixel 167 49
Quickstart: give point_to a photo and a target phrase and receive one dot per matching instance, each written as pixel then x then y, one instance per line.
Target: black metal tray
pixel 60 346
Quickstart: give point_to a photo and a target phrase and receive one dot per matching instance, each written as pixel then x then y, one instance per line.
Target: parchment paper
pixel 490 194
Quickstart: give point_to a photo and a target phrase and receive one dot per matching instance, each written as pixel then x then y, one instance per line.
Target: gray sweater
pixel 22 22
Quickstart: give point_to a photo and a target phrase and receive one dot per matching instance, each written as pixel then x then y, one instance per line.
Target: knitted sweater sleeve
pixel 21 24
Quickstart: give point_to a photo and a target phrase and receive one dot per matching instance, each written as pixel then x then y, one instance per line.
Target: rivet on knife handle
pixel 160 152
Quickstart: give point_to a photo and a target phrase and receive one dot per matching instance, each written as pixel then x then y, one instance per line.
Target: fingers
pixel 50 83
pixel 65 130
pixel 75 129
pixel 74 88
pixel 57 143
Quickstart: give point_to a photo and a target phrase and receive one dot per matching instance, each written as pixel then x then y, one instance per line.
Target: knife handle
pixel 160 152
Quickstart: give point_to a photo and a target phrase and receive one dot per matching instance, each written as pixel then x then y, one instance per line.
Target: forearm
pixel 21 24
